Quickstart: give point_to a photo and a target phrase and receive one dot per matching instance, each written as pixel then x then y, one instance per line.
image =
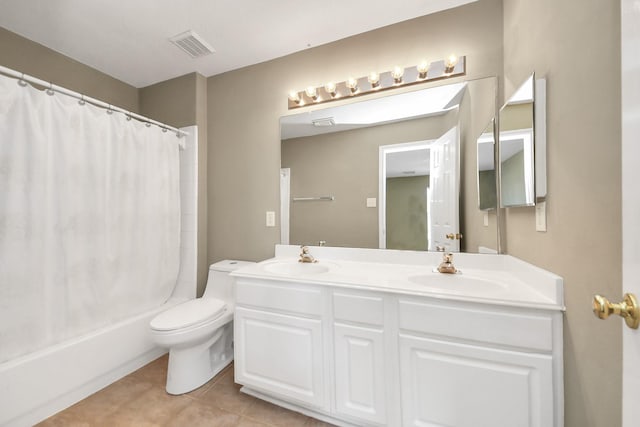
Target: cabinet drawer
pixel 358 308
pixel 305 300
pixel 484 325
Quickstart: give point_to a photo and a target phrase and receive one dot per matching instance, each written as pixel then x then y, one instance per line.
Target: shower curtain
pixel 89 217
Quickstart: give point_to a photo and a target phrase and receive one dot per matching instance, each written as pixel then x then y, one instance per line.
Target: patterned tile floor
pixel 140 400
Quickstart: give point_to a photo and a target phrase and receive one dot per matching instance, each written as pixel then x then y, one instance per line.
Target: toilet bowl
pixel 199 332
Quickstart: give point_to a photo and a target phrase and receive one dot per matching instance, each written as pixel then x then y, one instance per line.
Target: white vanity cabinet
pixel 279 347
pixel 466 365
pixel 355 355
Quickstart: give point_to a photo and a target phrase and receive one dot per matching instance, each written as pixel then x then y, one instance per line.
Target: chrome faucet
pixel 446 266
pixel 305 256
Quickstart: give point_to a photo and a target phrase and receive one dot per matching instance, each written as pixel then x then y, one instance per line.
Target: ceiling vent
pixel 193 44
pixel 325 122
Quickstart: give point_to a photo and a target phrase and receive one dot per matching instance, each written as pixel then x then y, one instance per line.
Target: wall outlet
pixel 371 202
pixel 541 216
pixel 271 219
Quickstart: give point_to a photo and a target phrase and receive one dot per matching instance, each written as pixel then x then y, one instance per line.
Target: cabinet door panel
pixel 451 384
pixel 280 354
pixel 360 373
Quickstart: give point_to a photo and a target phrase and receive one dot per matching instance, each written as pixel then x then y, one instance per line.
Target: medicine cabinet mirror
pixel 522 146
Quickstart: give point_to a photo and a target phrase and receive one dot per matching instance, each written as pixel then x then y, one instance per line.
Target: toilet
pixel 199 332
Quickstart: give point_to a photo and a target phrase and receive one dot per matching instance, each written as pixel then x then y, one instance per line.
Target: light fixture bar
pixel 398 77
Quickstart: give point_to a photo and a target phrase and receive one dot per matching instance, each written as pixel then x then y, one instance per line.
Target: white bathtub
pixel 38 385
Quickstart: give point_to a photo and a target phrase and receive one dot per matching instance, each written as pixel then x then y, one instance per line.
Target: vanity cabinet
pixel 357 357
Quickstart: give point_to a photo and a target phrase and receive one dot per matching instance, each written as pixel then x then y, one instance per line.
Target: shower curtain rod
pixel 50 86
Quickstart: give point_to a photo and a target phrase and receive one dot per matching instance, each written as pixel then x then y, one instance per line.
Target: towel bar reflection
pixel 310 199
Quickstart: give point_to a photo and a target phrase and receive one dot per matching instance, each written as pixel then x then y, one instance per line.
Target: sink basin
pixel 294 268
pixel 458 283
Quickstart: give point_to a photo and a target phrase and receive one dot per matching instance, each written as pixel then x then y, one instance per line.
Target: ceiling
pixel 129 39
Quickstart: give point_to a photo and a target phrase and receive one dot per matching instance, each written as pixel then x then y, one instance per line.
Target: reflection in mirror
pixel 487 169
pixel 335 169
pixel 419 193
pixel 517 178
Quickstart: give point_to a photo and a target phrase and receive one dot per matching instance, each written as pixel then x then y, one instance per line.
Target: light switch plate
pixel 485 218
pixel 271 219
pixel 541 216
pixel 371 202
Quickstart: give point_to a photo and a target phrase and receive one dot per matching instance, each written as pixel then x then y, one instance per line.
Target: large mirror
pixel 517 170
pixel 397 171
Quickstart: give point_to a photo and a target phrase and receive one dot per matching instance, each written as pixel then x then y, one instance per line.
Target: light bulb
pixel 352 84
pixel 294 97
pixel 374 79
pixel 450 63
pixel 423 68
pixel 397 74
pixel 312 92
pixel 331 89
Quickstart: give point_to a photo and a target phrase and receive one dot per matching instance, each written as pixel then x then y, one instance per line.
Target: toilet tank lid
pixel 229 265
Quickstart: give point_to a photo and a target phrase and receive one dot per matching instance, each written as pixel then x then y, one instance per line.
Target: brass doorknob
pixel 452 236
pixel 628 309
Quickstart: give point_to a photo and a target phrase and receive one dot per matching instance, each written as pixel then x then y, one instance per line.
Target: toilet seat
pixel 190 313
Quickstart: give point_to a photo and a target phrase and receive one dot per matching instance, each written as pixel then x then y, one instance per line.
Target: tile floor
pixel 139 400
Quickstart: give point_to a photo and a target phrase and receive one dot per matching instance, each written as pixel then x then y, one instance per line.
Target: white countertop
pixel 490 279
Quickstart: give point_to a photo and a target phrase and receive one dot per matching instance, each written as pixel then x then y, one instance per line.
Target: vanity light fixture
pixel 352 85
pixel 423 69
pixel 450 63
pixel 312 93
pixel 397 74
pixel 452 66
pixel 374 79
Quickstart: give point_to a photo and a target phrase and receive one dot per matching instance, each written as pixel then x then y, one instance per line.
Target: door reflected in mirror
pixel 516 121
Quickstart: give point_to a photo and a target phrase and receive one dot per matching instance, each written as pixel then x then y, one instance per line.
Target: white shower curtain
pixel 89 217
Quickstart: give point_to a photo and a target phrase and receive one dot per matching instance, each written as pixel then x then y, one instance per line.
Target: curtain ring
pixel 50 91
pixel 164 130
pixel 109 110
pixel 21 81
pixel 128 116
pixel 82 101
pixel 148 124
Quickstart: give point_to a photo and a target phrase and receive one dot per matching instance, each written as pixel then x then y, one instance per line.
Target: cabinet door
pixel 360 373
pixel 280 354
pixel 452 384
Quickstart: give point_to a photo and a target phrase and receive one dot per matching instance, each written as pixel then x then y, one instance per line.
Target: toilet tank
pixel 219 283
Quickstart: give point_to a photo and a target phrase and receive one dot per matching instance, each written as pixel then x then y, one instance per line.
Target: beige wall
pixel 245 105
pixel 36 60
pixel 346 166
pixel 181 102
pixel 559 40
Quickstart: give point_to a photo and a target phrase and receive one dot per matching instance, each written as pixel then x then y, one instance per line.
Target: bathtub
pixel 38 385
